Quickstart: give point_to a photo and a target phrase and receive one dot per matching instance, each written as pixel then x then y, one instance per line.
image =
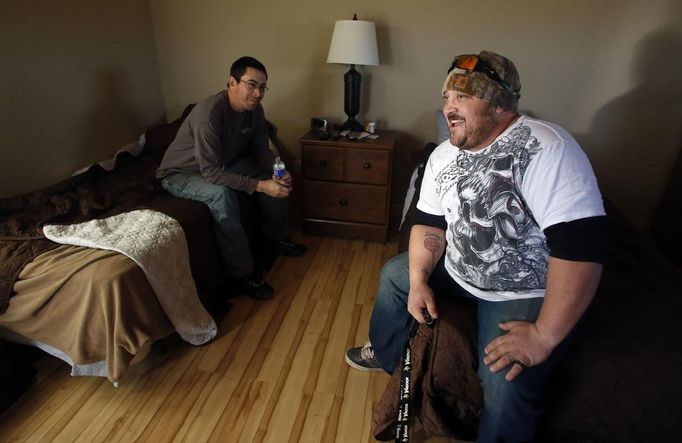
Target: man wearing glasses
pixel 221 157
pixel 510 217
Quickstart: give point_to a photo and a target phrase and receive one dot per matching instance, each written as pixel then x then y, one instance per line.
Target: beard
pixel 475 131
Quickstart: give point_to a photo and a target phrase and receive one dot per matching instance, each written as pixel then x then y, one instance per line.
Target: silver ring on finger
pixel 514 361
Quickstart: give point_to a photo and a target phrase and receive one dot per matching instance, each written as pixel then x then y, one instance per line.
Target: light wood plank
pixel 292 310
pixel 15 421
pixel 317 418
pixel 69 401
pixel 337 340
pixel 149 401
pixel 239 375
pixel 248 419
pixel 104 408
pixel 228 331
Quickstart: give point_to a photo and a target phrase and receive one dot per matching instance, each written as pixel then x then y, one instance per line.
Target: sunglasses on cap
pixel 470 62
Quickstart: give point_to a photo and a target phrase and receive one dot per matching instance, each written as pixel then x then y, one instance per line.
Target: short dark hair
pixel 238 68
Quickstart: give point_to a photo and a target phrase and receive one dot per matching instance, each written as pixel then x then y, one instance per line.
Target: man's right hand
pixel 421 297
pixel 273 189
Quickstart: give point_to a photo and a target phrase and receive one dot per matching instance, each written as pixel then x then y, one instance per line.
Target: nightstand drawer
pixel 367 166
pixel 347 185
pixel 347 202
pixel 322 162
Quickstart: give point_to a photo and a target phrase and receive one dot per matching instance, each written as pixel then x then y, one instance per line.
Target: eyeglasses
pixel 253 85
pixel 472 62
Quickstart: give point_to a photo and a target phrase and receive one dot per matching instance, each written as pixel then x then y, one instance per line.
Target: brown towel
pixel 446 395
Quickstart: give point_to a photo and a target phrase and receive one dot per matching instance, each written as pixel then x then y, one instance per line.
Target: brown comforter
pixel 96 305
pixel 93 305
pixel 96 193
pixel 93 194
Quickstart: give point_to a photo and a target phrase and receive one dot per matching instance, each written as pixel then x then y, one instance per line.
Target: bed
pixel 98 267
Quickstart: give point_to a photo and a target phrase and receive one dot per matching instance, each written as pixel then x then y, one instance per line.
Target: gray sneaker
pixel 363 358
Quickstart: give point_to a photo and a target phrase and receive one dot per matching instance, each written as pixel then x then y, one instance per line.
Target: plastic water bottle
pixel 279 168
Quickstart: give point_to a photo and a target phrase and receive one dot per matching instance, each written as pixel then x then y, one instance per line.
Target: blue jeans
pixel 238 244
pixel 511 410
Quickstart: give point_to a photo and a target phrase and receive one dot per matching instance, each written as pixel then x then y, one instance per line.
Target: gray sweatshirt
pixel 213 137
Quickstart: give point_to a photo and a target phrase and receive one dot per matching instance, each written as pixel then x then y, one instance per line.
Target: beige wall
pixel 78 80
pixel 581 64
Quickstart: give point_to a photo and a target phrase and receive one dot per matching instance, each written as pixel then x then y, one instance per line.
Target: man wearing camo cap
pixel 510 216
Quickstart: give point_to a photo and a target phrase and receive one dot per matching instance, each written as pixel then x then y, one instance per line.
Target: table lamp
pixel 354 42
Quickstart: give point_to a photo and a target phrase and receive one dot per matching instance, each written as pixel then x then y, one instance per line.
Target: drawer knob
pixel 323 162
pixel 343 202
pixel 367 165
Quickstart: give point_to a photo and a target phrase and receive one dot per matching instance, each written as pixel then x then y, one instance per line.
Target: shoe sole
pixel 354 365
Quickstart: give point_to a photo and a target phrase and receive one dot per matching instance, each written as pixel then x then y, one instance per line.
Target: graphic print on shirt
pixel 496 243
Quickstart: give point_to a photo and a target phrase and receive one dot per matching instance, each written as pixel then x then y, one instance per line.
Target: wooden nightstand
pixel 347 185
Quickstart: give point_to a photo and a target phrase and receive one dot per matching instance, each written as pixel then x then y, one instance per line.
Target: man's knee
pixel 224 204
pixel 395 272
pixel 394 283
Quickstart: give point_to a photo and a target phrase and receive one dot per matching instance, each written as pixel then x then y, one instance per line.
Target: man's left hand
pixel 284 181
pixel 521 347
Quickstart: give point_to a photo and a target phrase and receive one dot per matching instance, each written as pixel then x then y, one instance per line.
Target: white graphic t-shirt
pixel 497 201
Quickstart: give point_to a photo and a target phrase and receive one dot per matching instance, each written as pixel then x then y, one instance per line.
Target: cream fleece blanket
pixel 157 244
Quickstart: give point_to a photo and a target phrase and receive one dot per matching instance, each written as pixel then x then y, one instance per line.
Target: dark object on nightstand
pixel 319 124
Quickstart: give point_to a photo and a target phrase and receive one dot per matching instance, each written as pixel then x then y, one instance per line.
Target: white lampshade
pixel 354 42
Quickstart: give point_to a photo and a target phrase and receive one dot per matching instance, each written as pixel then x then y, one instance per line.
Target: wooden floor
pixel 275 373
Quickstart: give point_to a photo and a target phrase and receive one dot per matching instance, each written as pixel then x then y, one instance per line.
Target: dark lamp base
pixel 352 125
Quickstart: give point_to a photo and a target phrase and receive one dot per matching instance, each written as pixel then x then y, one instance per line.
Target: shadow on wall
pixel 636 138
pixel 666 223
pixel 112 120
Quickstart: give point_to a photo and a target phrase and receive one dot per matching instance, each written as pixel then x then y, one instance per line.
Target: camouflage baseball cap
pixel 488 76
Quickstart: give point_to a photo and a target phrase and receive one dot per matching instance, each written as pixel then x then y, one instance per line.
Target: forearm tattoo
pixel 434 243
